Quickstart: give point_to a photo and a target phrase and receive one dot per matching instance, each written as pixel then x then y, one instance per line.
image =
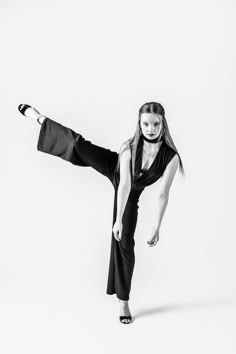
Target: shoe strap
pixel 40 116
pixel 125 317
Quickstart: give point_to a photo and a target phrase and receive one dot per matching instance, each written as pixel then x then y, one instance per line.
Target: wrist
pixel 156 228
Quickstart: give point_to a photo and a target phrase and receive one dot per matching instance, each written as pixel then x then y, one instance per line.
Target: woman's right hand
pixel 117 230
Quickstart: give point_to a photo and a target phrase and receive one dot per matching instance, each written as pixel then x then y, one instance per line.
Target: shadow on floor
pixel 201 304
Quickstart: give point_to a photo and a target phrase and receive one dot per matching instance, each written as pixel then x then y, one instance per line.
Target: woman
pixel 143 159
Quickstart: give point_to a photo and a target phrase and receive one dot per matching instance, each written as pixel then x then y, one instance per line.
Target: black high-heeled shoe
pixel 22 108
pixel 125 318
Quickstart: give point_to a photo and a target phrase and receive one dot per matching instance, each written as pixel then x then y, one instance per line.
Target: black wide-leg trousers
pixel 63 142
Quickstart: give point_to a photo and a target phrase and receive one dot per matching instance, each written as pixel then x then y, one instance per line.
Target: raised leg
pixel 63 142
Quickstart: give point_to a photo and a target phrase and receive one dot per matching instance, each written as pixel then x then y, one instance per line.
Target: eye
pixel 157 124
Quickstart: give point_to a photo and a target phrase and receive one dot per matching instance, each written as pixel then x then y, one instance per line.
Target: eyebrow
pixel 147 122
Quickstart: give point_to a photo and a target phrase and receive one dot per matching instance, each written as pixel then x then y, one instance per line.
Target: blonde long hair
pixel 156 108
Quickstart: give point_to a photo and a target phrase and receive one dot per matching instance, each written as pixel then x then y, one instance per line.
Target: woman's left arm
pixel 163 197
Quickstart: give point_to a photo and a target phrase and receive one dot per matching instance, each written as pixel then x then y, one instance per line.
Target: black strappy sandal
pixel 125 318
pixel 22 108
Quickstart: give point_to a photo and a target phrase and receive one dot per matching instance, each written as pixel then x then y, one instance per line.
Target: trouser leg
pixel 122 256
pixel 63 142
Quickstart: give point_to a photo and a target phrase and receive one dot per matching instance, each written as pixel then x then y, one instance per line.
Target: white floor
pixel 43 317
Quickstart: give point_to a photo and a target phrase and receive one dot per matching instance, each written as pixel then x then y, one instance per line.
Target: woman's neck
pixel 151 147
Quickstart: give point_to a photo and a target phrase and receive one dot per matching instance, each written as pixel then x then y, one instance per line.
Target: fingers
pixel 116 235
pixel 118 238
pixel 152 242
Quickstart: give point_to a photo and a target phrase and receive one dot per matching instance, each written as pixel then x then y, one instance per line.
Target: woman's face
pixel 151 125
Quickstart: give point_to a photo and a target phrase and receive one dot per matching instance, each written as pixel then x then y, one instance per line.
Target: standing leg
pixel 63 142
pixel 122 257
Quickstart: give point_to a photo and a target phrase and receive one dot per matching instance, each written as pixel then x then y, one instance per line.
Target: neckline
pixel 152 164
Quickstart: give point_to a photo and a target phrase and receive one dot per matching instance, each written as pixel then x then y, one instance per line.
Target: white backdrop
pixel 90 66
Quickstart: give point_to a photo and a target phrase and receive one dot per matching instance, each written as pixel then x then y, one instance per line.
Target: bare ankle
pixel 41 118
